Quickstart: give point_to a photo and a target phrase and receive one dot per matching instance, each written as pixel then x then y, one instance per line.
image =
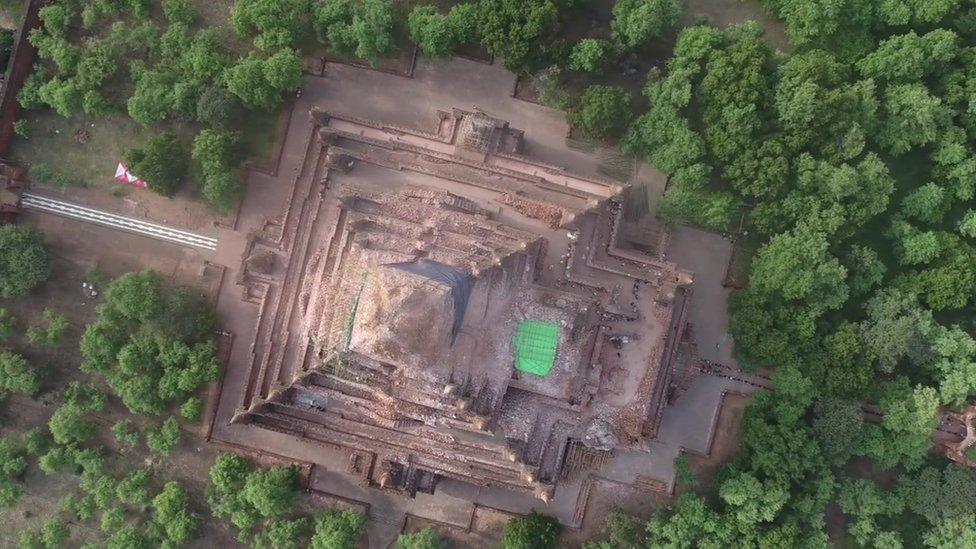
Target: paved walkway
pixel 706 254
pixel 114 221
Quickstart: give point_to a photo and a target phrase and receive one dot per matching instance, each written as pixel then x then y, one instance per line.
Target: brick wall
pixel 21 61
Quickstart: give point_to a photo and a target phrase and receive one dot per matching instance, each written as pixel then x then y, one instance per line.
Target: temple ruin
pixel 440 305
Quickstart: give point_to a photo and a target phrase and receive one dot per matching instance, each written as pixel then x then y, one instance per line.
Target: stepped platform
pixel 390 291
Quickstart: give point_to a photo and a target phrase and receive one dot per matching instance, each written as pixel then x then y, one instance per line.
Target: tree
pixel 907 58
pixel 70 422
pixel 912 116
pixel 218 108
pixel 602 112
pixel 372 28
pixel 259 83
pixel 532 531
pixel 839 425
pixel 635 22
pixel 896 328
pixel 133 489
pixel 171 511
pixel 928 203
pixel 865 270
pixel 161 162
pixel 363 29
pixel 128 537
pixel 283 534
pixel 112 520
pixel 179 11
pixel 273 492
pixel 154 344
pixel 218 154
pixel 54 532
pixel 905 434
pixel 276 24
pixel 229 472
pixel 436 34
pixel 691 524
pixel 17 375
pixel 425 538
pixel 967 225
pixel 589 55
pixel 191 409
pixel 165 439
pixel 798 266
pixel 517 31
pixel 335 529
pixel 752 501
pixel 24 262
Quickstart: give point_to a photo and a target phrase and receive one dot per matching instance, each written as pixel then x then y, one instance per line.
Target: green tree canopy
pixel 602 112
pixel 24 262
pixel 635 22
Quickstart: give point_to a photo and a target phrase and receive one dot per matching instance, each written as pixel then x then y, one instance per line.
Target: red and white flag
pixel 123 175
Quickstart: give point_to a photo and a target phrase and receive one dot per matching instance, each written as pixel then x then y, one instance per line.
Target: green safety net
pixel 535 346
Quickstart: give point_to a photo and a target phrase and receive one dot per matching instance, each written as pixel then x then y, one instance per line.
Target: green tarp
pixel 535 346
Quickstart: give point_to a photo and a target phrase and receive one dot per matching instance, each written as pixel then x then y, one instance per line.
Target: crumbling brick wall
pixel 21 62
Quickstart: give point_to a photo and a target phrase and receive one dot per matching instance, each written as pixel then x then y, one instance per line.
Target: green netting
pixel 535 346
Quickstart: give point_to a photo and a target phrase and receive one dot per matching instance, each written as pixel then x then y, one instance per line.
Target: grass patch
pixel 81 150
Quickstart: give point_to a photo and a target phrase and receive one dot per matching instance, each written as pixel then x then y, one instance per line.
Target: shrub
pixel 125 433
pixel 44 174
pixel 7 323
pixel 52 334
pixel 191 409
pixel 21 128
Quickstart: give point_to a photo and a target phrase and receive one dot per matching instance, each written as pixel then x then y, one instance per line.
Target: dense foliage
pixel 251 497
pixel 533 531
pixel 851 163
pixel 161 162
pixel 152 342
pixel 24 263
